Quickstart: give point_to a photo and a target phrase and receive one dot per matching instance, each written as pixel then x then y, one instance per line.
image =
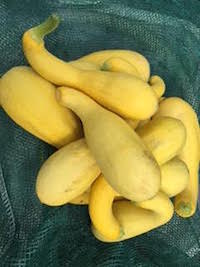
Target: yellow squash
pixel 174 177
pixel 158 85
pixel 100 209
pixel 84 65
pixel 117 64
pixel 142 123
pixel 162 98
pixel 133 58
pixel 133 123
pixel 124 160
pixel 138 218
pixel 174 172
pixel 164 136
pixel 186 201
pixel 82 199
pixel 121 93
pixel 30 101
pixel 66 174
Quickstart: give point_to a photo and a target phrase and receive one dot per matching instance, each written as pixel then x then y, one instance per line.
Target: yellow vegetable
pixel 164 136
pixel 158 85
pixel 142 123
pixel 30 101
pixel 186 201
pixel 100 209
pixel 66 174
pixel 137 60
pixel 198 130
pixel 138 218
pixel 82 199
pixel 162 98
pixel 133 123
pixel 117 64
pixel 174 177
pixel 124 160
pixel 122 93
pixel 83 65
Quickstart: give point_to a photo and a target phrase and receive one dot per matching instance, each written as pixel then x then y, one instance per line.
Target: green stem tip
pixel 104 67
pixel 121 232
pixel 184 209
pixel 49 25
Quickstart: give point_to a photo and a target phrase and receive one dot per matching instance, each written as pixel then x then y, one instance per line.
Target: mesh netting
pixel 168 34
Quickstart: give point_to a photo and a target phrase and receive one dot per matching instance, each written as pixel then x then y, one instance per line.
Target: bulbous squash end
pixel 100 237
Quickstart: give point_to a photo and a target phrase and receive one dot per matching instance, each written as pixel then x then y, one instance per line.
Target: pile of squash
pixel 123 148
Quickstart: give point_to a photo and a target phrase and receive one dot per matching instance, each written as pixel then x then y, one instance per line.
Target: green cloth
pixel 32 234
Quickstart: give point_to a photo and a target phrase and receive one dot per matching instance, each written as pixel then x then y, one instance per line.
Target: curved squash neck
pixel 46 64
pixel 79 103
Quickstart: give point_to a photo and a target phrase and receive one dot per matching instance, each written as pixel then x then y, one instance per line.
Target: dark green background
pixel 31 234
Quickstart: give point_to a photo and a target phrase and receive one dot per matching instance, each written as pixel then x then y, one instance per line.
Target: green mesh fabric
pixel 31 234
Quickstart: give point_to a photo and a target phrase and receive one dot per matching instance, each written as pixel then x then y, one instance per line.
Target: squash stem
pixel 104 67
pixel 184 209
pixel 121 232
pixel 50 24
